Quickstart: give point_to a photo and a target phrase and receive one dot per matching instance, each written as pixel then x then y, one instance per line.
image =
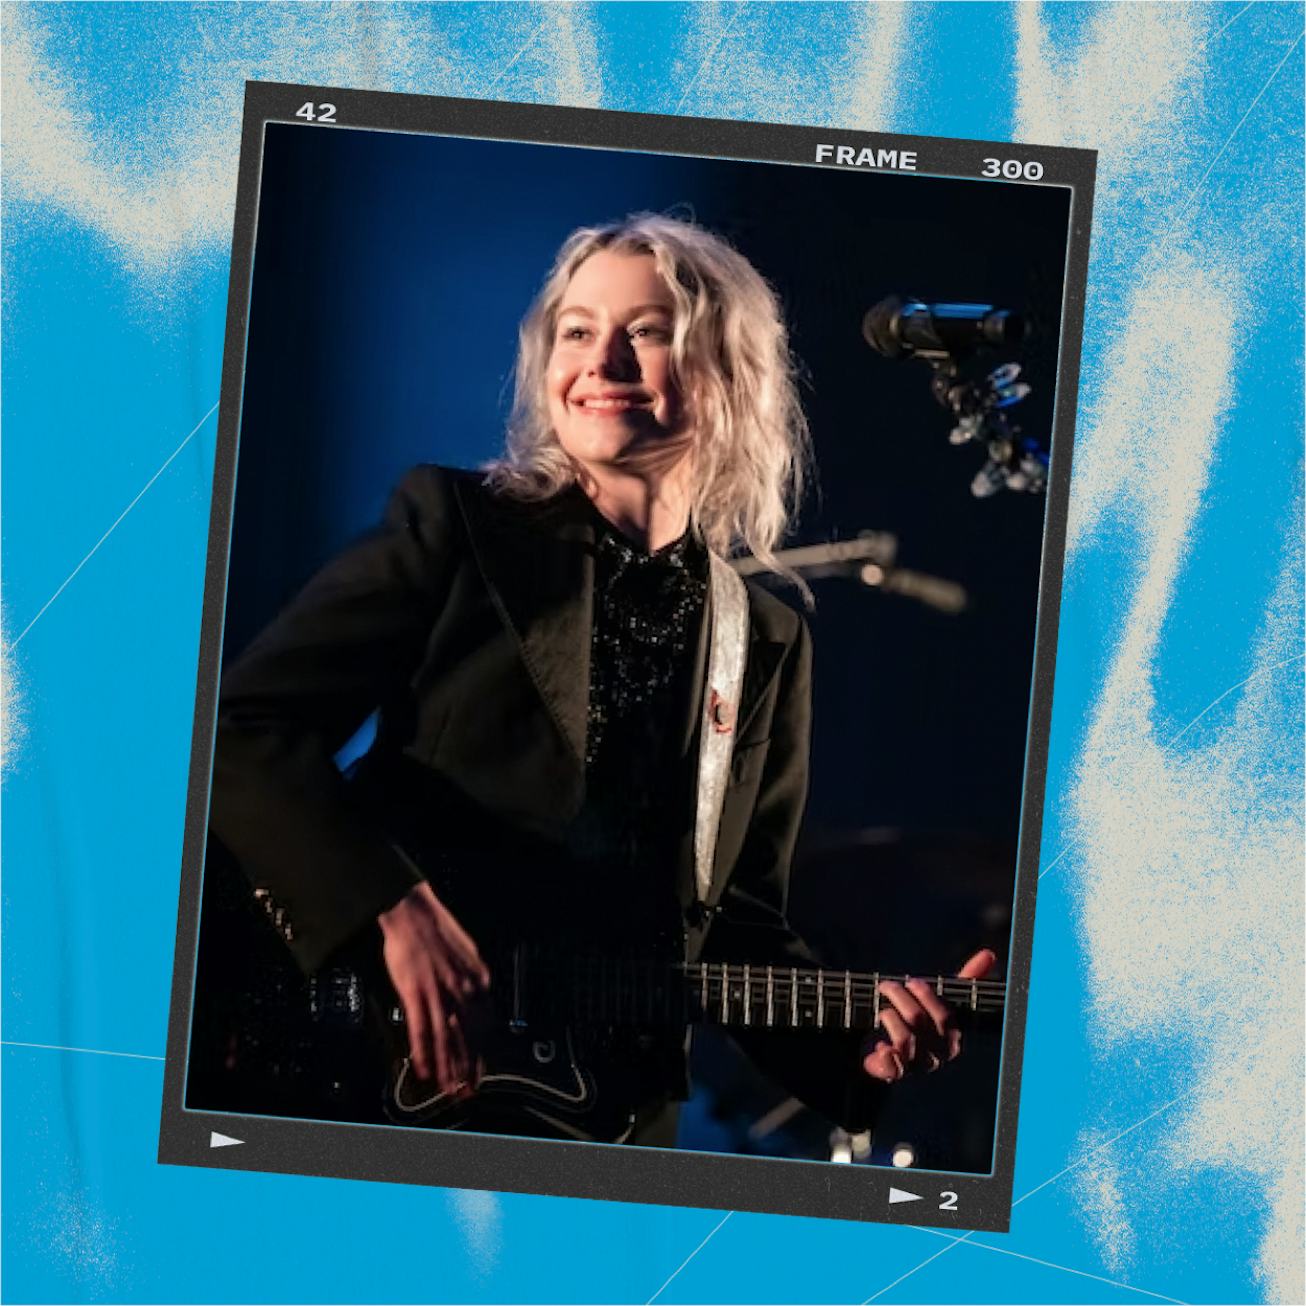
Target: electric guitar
pixel 562 1027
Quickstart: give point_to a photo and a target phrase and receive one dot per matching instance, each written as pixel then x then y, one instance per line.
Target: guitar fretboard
pixel 606 991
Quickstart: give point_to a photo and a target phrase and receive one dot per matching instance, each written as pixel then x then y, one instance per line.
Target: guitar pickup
pixel 335 998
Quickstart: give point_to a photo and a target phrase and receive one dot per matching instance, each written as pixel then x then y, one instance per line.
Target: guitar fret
pixel 646 992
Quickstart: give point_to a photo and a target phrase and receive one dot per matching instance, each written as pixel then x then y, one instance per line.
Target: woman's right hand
pixel 441 982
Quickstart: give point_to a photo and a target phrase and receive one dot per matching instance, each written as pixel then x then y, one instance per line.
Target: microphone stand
pixel 981 408
pixel 871 559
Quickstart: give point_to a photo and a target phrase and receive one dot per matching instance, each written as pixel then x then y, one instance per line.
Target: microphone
pixel 907 328
pixel 949 337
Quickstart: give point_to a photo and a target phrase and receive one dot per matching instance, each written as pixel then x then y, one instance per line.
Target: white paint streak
pixel 12 727
pixel 1121 91
pixel 739 61
pixel 1187 853
pixel 571 47
pixel 84 1240
pixel 163 192
pixel 480 1217
pixel 1145 52
pixel 55 160
pixel 1098 1185
pixel 1146 463
pixel 877 81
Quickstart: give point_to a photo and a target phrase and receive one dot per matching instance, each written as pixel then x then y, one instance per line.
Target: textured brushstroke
pixel 1119 92
pixel 479 1216
pixel 1192 842
pixel 1097 1182
pixel 11 719
pixel 836 64
pixel 67 1228
pixel 1120 88
pixel 162 190
pixel 569 50
pixel 1189 837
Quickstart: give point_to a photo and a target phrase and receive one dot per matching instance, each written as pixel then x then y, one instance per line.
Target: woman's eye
pixel 574 333
pixel 648 333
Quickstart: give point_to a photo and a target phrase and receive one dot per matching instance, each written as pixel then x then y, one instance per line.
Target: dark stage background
pixel 390 274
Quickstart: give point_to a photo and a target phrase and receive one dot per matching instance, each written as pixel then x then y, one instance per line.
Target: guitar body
pixel 545 1073
pixel 535 1082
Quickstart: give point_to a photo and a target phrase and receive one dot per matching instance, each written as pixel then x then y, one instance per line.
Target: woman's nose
pixel 613 356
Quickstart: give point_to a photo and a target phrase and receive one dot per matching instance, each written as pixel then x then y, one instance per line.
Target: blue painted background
pixel 1136 1180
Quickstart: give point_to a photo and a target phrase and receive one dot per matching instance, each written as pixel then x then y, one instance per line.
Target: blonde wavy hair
pixel 730 359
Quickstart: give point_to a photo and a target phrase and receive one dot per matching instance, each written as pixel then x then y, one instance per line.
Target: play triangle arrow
pixel 898 1195
pixel 221 1140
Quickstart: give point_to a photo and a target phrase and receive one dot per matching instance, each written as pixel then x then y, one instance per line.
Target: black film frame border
pixel 446 1158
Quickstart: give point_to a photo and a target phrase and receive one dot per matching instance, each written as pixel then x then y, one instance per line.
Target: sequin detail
pixel 646 608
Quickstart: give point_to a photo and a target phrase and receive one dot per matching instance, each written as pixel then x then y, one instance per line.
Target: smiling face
pixel 612 400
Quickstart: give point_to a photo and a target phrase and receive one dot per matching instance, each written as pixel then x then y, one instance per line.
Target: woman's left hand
pixel 917 1028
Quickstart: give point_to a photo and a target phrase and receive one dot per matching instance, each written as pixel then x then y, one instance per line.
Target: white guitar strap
pixel 727 655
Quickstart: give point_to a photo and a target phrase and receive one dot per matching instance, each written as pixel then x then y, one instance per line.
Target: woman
pixel 537 641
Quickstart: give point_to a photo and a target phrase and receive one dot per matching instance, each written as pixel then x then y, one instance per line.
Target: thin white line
pixel 116 523
pixel 1055 860
pixel 499 76
pixel 1051 1265
pixel 1183 208
pixel 1215 36
pixel 707 58
pixel 58 1047
pixel 689 1258
pixel 1138 1124
pixel 964 1238
pixel 1260 671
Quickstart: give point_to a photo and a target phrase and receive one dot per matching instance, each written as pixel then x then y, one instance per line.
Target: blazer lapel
pixel 537 560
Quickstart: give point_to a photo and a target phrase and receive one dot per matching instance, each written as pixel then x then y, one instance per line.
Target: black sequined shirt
pixel 647 612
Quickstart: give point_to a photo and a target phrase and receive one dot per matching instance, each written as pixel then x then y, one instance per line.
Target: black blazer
pixel 465 619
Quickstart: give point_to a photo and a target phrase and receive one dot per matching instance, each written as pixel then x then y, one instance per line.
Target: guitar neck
pixel 620 992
